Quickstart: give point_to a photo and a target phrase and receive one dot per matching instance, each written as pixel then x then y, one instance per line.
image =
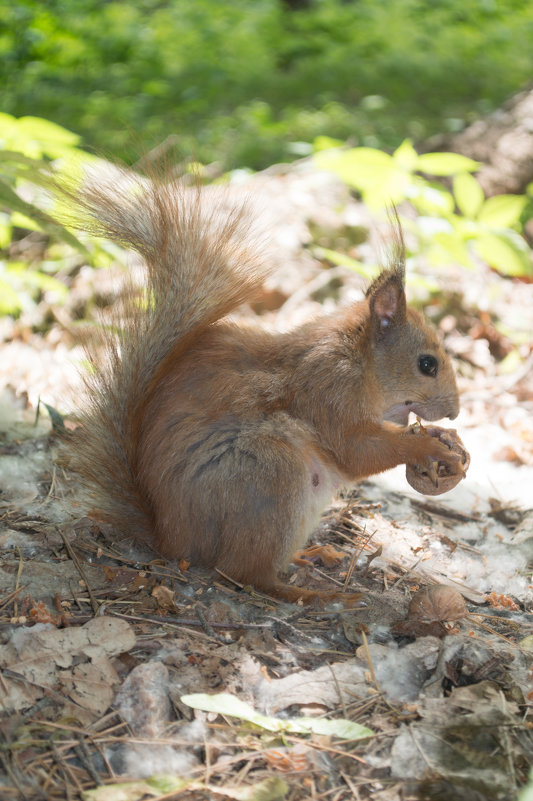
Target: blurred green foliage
pixel 452 225
pixel 34 152
pixel 246 82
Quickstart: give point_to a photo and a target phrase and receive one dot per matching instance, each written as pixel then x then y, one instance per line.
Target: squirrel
pixel 221 443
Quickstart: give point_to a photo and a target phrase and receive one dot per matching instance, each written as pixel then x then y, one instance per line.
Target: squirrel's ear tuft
pixel 386 297
pixel 386 294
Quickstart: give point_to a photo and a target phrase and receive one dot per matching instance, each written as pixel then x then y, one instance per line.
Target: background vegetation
pixel 248 83
pixel 251 82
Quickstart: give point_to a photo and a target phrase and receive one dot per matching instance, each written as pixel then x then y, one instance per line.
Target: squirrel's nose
pixel 455 411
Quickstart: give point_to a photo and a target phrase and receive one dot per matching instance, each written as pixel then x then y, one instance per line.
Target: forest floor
pixel 126 677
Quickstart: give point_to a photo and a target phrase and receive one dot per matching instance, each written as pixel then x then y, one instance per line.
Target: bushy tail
pixel 202 261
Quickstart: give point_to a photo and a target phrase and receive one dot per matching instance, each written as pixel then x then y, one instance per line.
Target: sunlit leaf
pixel 227 704
pixel 500 253
pixel 6 229
pixel 46 131
pixel 468 194
pixel 326 143
pixel 454 247
pixel 429 198
pixel 336 727
pixel 444 164
pixel 153 787
pixel 37 279
pixel 19 220
pixel 372 172
pixel 502 211
pixel 406 156
pixel 271 789
pixel 392 189
pixel 358 167
pixel 9 198
pixel 9 300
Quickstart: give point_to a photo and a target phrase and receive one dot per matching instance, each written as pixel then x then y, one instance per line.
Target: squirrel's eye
pixel 428 365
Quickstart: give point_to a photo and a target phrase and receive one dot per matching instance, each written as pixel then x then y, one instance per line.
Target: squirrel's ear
pixel 386 297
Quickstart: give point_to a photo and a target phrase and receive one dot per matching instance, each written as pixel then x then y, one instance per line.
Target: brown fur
pixel 223 443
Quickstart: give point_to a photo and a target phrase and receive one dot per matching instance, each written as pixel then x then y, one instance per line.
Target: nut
pixel 439 477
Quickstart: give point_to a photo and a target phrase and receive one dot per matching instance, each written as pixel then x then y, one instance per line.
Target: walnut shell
pixel 439 477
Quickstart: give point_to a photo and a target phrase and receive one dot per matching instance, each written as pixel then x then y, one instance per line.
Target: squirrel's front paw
pixel 444 468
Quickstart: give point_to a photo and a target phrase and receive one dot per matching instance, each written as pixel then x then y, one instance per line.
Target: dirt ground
pixel 127 677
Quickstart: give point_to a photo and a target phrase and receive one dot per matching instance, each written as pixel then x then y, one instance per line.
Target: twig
pixel 17 581
pixel 94 604
pixel 337 685
pixel 369 658
pixel 442 511
pixel 208 628
pixel 85 758
pixel 7 598
pixel 13 775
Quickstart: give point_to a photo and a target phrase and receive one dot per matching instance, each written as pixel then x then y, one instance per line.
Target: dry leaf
pixel 429 610
pixel 164 597
pixel 75 659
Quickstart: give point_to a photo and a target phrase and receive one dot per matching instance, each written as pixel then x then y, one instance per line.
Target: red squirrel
pixel 222 443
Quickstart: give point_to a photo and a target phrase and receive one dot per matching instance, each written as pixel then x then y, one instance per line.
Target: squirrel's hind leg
pixel 272 512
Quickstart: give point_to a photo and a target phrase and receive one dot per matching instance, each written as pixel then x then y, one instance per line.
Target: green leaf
pixel 46 131
pixel 227 704
pixel 502 211
pixel 359 167
pixel 430 198
pixel 336 727
pixel 372 172
pixel 20 158
pixel 9 198
pixel 58 424
pixel 6 229
pixel 468 194
pixel 326 143
pixel 9 299
pixel 271 789
pixel 35 138
pixel 454 247
pixel 153 787
pixel 391 190
pixel 36 279
pixel 499 252
pixel 443 164
pixel 19 220
pixel 406 156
